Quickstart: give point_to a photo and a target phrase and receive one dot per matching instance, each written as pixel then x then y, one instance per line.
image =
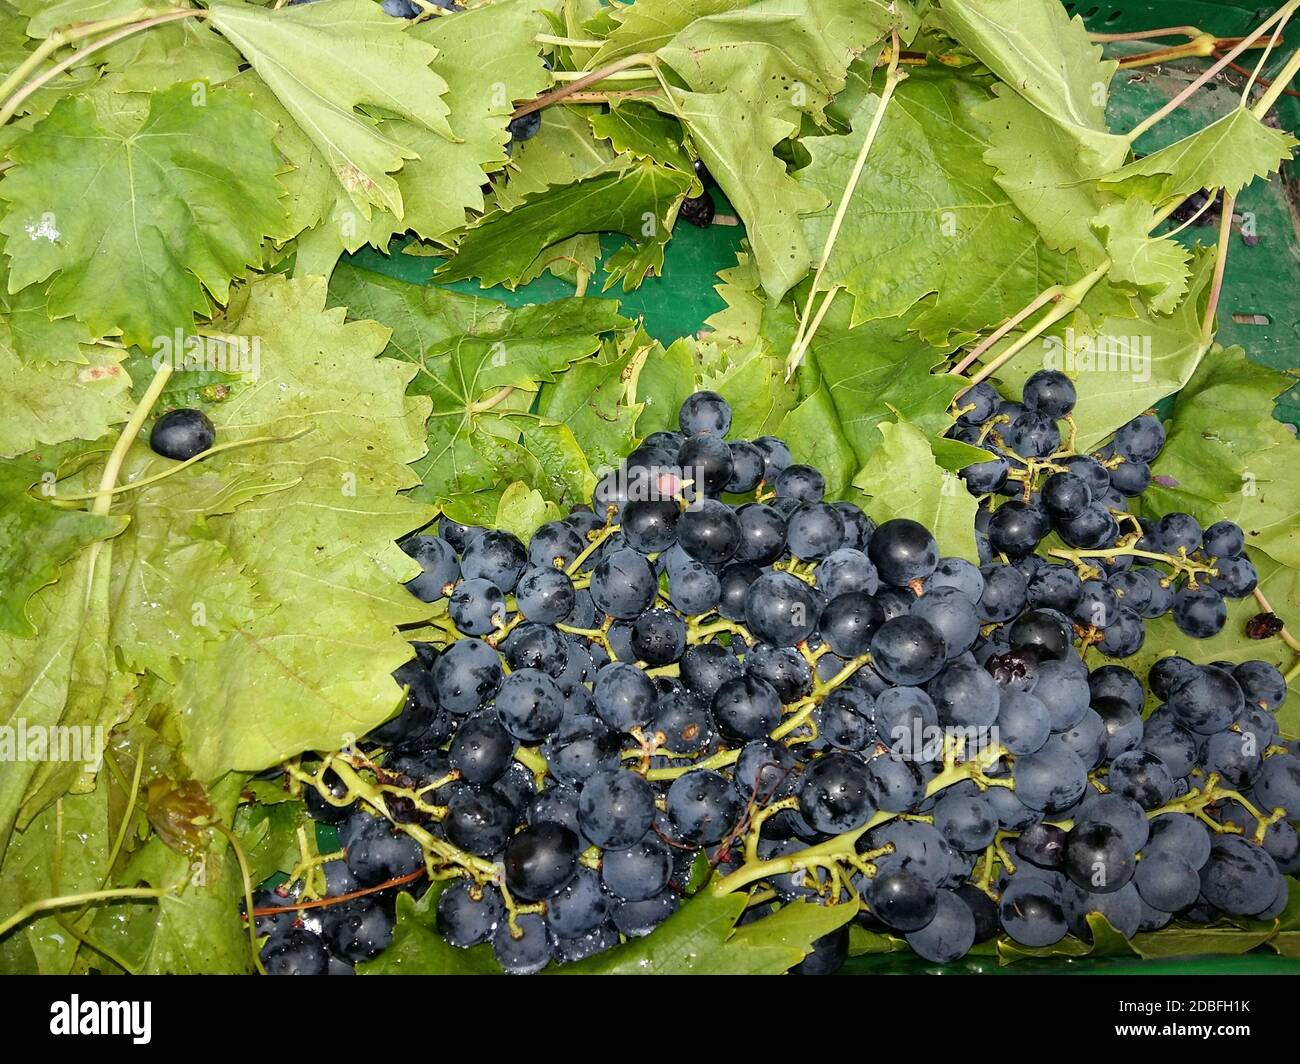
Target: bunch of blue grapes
pixel 1118 568
pixel 712 678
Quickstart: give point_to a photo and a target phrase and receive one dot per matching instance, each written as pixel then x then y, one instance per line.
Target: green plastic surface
pixel 1262 282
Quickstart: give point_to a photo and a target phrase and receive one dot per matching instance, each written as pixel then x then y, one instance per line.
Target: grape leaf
pixel 418 949
pixel 173 591
pixel 754 383
pixel 669 376
pixel 739 322
pixel 566 259
pixel 30 872
pixel 640 129
pixel 932 221
pixel 815 435
pixel 647 25
pixel 47 16
pixel 1158 266
pixel 37 677
pixel 1040 166
pixel 1045 55
pixel 268 830
pixel 50 404
pixel 875 371
pixel 804 45
pixel 564 150
pixel 1127 365
pixel 418 316
pixel 1281 586
pixel 480 363
pixel 639 202
pixel 182 204
pixel 310 518
pixel 1226 458
pixel 16 49
pixel 1105 941
pixel 1230 152
pixel 323 62
pixel 37 539
pixel 701 939
pixel 36 336
pixel 522 510
pixel 188 51
pixel 752 74
pixel 195 927
pixel 734 132
pixel 488 58
pixel 596 399
pixel 902 478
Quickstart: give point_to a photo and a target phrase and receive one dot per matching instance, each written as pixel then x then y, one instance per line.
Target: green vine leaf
pixel 37 539
pixel 195 927
pixel 670 374
pixel 596 399
pixel 735 132
pixel 488 59
pixel 1229 153
pixel 932 222
pixel 565 149
pixel 1158 266
pixel 418 949
pixel 480 363
pixel 641 202
pixel 1040 166
pixel 48 15
pixel 1227 458
pixel 1105 941
pixel 805 46
pixel 1124 364
pixel 344 430
pixel 701 938
pixel 904 477
pixel 29 872
pixel 875 371
pixel 754 382
pixel 522 510
pixel 38 336
pixel 53 403
pixel 182 204
pixel 323 63
pixel 640 129
pixel 1045 55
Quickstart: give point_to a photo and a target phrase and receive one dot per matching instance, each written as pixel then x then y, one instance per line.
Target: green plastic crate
pixel 1258 310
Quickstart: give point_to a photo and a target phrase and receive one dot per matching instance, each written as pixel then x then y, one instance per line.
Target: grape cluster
pixel 1118 569
pixel 715 676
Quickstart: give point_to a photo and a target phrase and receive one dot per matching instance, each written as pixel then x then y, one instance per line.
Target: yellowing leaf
pixel 36 539
pixel 311 520
pixel 48 404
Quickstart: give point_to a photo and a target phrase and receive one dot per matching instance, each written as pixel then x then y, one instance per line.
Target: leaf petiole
pixel 15 101
pixel 157 477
